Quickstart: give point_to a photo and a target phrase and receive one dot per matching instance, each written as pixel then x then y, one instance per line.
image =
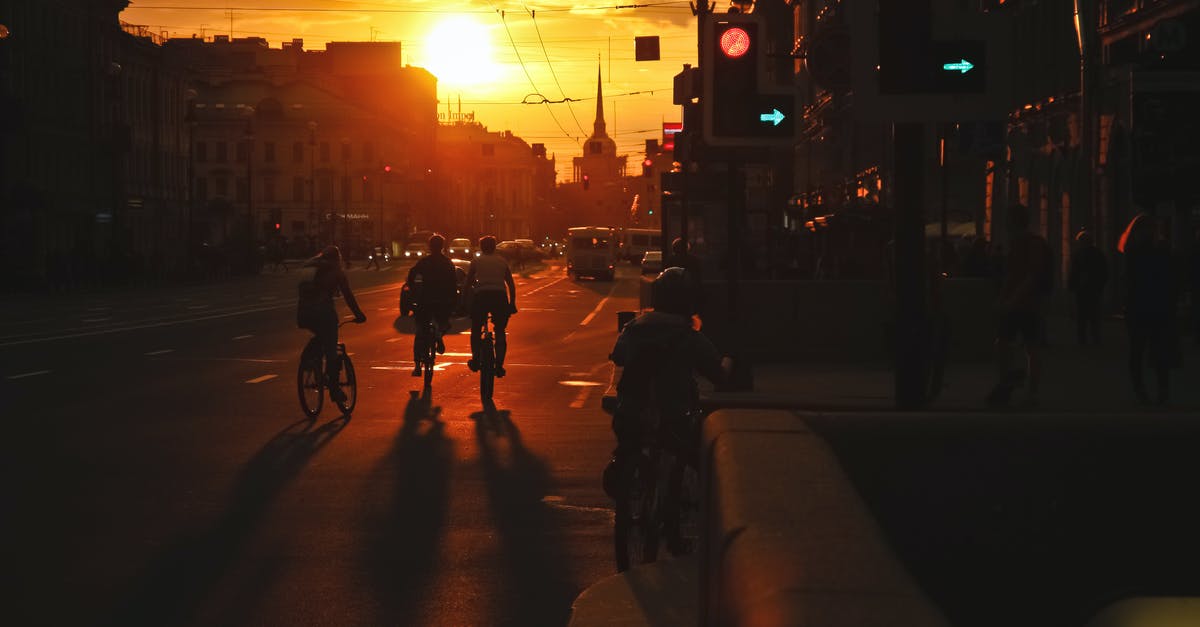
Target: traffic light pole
pixel 909 264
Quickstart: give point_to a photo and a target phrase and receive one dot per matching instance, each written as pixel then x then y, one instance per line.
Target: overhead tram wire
pixel 528 77
pixel 545 53
pixel 659 6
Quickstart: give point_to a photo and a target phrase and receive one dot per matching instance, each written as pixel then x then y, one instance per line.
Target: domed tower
pixel 599 160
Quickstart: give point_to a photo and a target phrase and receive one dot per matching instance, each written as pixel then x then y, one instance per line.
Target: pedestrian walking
pixel 1088 276
pixel 1150 301
pixel 1024 292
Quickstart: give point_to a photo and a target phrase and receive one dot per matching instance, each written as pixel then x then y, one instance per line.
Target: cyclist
pixel 659 350
pixel 320 278
pixel 495 293
pixel 435 289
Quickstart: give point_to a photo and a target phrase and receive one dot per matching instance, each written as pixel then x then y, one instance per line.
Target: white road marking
pixel 580 384
pixel 96 319
pixel 456 354
pixel 581 398
pixel 392 339
pixel 265 377
pixel 28 374
pixel 599 306
pixel 560 503
pixel 161 352
pixel 538 289
pixel 244 337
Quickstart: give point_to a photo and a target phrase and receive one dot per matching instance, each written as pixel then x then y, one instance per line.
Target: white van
pixel 592 251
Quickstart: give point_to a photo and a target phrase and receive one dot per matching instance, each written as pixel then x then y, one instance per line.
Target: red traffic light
pixel 387 168
pixel 648 163
pixel 735 42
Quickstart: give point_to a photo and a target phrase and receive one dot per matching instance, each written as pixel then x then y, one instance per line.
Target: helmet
pixel 674 291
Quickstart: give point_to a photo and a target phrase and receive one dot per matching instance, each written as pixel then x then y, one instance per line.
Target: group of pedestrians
pixel 1151 288
pixel 434 285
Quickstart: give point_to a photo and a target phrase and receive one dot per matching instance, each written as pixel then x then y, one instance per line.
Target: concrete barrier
pixel 787 539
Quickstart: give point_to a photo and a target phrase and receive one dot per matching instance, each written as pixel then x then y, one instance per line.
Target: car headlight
pixel 406 253
pixel 478 254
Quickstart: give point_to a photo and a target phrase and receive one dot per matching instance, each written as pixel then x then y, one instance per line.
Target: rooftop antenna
pixel 230 13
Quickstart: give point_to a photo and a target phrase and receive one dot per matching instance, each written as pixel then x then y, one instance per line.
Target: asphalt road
pixel 157 470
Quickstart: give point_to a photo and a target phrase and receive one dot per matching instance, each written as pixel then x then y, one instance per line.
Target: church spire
pixel 598 129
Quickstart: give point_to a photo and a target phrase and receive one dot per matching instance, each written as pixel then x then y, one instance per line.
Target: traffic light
pixel 387 169
pixel 586 182
pixel 648 168
pixel 742 104
pixel 278 228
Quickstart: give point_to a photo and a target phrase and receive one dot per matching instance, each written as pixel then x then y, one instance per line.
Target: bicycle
pixel 427 338
pixel 311 379
pixel 487 362
pixel 657 493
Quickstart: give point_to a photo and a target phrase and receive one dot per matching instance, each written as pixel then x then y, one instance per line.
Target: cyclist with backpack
pixel 435 290
pixel 320 278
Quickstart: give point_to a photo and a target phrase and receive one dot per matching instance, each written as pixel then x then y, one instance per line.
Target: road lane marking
pixel 581 398
pixel 161 352
pixel 106 318
pixel 265 377
pixel 393 339
pixel 599 306
pixel 28 374
pixel 456 354
pixel 244 337
pixel 538 289
pixel 580 384
pixel 560 503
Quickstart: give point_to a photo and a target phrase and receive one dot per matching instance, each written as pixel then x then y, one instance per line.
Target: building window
pixel 298 152
pixel 324 152
pixel 298 189
pixel 201 152
pixel 269 152
pixel 489 150
pixel 201 188
pixel 368 152
pixel 222 152
pixel 243 151
pixel 326 186
pixel 268 189
pixel 222 187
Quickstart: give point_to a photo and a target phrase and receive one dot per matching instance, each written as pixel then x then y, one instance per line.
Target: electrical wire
pixel 524 69
pixel 533 18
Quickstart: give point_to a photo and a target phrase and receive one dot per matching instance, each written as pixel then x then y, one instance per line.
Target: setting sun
pixel 459 53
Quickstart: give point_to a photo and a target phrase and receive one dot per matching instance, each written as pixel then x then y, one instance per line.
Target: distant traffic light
pixel 586 181
pixel 648 168
pixel 387 169
pixel 278 227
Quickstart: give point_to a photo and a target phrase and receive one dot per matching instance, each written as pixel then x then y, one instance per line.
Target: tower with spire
pixel 599 161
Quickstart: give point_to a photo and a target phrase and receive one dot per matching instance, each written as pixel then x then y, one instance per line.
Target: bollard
pixel 624 318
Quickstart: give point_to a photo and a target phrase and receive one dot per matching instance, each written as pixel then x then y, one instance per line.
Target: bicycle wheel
pixel 430 357
pixel 487 371
pixel 349 385
pixel 685 536
pixel 310 386
pixel 635 526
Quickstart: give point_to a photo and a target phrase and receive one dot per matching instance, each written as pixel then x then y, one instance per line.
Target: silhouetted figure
pixel 495 293
pixel 435 290
pixel 1149 305
pixel 320 278
pixel 1089 275
pixel 978 264
pixel 1028 280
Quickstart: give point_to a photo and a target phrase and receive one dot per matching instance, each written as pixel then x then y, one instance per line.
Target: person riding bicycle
pixel 659 351
pixel 495 294
pixel 435 289
pixel 320 278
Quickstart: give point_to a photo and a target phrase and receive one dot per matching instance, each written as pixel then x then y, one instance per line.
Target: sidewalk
pixel 1089 379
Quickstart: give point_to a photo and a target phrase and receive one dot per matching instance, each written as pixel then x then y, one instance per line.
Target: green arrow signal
pixel 775 116
pixel 963 66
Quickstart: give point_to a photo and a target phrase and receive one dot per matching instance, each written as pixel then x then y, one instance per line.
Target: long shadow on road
pixel 414 491
pixel 538 583
pixel 174 587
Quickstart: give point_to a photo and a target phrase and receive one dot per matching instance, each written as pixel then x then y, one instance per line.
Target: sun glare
pixel 458 51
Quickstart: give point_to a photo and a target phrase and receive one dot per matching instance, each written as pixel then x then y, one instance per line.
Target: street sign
pixel 774 117
pixel 929 61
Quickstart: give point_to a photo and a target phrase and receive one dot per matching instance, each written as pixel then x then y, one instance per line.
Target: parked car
pixel 529 250
pixel 509 249
pixel 461 248
pixel 652 262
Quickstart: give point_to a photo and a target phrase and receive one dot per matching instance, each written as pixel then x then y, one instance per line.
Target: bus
pixel 592 251
pixel 635 243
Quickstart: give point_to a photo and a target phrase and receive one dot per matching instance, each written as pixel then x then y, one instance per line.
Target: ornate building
pixel 599 194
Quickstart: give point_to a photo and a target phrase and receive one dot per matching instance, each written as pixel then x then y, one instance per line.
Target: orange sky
pixel 576 37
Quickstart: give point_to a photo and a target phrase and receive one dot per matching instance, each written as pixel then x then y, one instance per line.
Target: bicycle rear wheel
pixel 635 526
pixel 349 385
pixel 310 386
pixel 430 358
pixel 487 372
